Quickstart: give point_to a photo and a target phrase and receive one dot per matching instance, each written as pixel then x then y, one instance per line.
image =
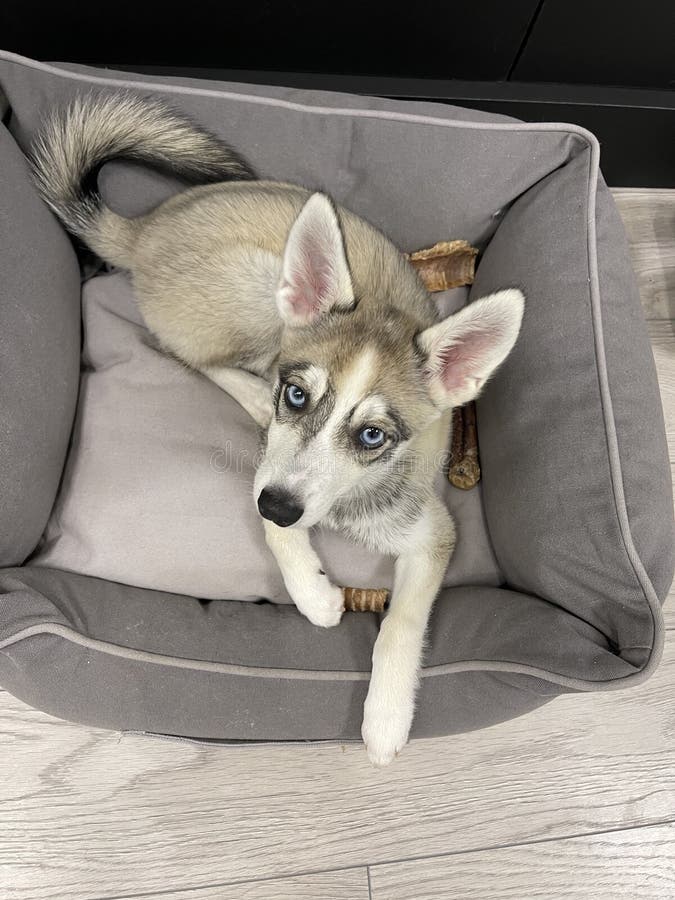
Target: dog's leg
pixel 305 580
pixel 397 656
pixel 250 391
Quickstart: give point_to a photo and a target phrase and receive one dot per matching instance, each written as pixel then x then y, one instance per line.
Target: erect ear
pixel 465 349
pixel 315 275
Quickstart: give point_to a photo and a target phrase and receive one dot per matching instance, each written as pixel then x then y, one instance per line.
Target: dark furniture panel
pixel 601 42
pixel 424 39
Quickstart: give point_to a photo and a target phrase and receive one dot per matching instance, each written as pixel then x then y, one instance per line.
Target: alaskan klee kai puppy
pixel 255 283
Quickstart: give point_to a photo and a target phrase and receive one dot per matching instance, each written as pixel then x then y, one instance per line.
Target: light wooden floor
pixel 574 801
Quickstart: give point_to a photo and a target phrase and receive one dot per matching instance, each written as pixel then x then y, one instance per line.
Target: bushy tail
pixel 75 141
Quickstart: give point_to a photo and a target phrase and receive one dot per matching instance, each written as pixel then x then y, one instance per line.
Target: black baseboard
pixel 635 127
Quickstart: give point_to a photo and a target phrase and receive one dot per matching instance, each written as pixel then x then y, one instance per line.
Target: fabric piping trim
pixel 199 665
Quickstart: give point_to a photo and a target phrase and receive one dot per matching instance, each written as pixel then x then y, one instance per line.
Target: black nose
pixel 279 507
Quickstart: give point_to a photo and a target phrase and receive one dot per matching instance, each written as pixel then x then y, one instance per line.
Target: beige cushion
pixel 157 491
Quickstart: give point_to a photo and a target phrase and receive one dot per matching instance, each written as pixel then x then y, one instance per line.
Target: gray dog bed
pixel 136 584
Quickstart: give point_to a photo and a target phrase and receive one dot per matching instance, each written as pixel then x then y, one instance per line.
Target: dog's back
pixel 205 264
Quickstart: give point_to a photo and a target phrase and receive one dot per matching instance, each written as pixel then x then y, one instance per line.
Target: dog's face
pixel 348 402
pixel 357 384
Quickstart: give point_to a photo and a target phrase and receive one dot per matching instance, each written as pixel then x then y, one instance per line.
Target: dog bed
pixel 130 546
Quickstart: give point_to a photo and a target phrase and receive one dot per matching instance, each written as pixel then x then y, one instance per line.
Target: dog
pixel 318 326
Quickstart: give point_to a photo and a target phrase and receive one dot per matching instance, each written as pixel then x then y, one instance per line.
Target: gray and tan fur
pixel 256 283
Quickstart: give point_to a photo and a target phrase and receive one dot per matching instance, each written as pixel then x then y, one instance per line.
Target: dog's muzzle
pixel 279 507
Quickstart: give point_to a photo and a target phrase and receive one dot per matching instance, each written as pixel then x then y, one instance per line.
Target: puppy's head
pixel 358 381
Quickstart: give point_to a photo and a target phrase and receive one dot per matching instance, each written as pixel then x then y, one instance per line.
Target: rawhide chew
pixel 365 599
pixel 464 467
pixel 448 264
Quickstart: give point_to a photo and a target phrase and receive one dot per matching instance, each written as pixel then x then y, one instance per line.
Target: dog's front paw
pixel 385 728
pixel 320 601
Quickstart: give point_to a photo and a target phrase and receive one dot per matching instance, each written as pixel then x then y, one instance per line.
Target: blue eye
pixel 296 398
pixel 372 438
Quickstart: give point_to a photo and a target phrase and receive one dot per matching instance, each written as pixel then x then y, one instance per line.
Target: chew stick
pixel 448 264
pixel 464 468
pixel 365 599
pixel 457 440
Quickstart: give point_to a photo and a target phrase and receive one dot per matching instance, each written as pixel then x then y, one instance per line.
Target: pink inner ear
pixel 310 277
pixel 465 360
